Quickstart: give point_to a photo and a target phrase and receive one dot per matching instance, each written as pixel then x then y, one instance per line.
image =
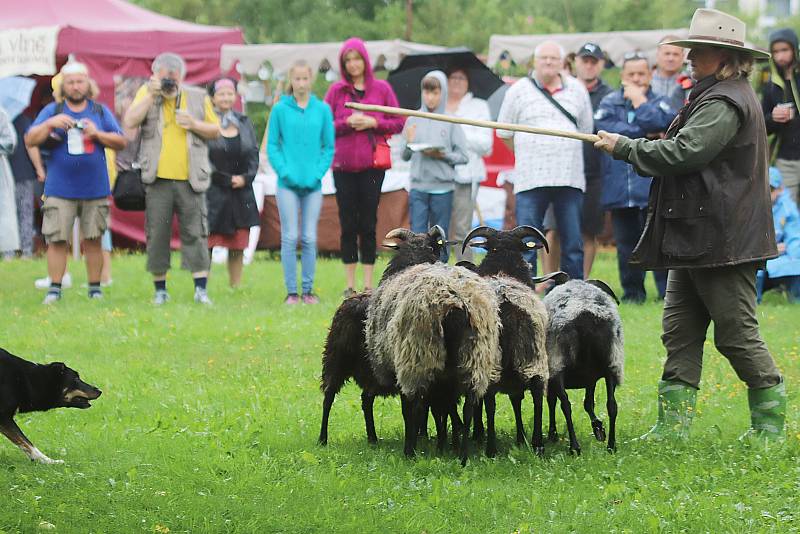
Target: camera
pixel 80 124
pixel 168 85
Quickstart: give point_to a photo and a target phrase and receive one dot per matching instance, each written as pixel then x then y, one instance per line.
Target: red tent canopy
pixel 114 37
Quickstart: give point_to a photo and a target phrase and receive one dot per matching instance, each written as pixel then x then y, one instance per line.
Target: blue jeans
pixel 289 204
pixel 628 225
pixel 567 207
pixel 426 210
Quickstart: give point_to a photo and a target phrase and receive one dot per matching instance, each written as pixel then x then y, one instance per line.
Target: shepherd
pixel 709 222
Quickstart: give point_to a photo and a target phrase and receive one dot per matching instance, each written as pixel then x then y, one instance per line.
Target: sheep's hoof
pixel 612 448
pixel 598 430
pixel 409 453
pixel 539 451
pixel 322 441
pixel 575 451
pixel 491 451
pixel 521 440
pixel 463 461
pixel 552 436
pixel 372 440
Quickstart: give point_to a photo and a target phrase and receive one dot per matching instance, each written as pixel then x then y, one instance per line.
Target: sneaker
pixel 44 283
pixel 291 299
pixel 310 298
pixel 97 295
pixel 349 292
pixel 161 297
pixel 51 298
pixel 201 296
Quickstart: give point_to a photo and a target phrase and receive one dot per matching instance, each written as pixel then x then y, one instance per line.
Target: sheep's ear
pixel 604 288
pixel 466 264
pixel 559 277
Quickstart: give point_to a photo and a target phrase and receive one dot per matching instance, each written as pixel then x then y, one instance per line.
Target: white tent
pixel 281 56
pixel 614 44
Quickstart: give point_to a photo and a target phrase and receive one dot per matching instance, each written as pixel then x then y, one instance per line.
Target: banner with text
pixel 28 51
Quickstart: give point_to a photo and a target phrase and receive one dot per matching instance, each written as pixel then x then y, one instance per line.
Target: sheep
pixel 584 344
pixel 434 331
pixel 524 320
pixel 345 353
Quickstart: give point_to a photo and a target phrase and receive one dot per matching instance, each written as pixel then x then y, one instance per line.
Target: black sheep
pixel 524 327
pixel 345 353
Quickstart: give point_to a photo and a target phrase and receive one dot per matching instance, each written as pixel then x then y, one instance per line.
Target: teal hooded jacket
pixel 300 143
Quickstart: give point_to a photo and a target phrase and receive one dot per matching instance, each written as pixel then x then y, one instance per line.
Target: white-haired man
pixel 176 121
pixel 75 131
pixel 549 170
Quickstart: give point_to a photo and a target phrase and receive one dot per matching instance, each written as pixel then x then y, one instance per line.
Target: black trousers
pixel 358 194
pixel 628 224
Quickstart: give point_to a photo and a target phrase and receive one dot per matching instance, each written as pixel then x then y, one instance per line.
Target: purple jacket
pixel 354 149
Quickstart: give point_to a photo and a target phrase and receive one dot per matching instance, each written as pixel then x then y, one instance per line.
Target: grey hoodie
pixel 431 174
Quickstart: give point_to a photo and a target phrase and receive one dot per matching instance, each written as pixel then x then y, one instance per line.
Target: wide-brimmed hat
pixel 710 27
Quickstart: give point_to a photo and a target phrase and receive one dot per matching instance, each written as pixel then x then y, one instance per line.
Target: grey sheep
pixel 434 330
pixel 584 344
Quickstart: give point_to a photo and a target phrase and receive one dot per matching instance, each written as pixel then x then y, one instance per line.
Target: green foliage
pixel 209 418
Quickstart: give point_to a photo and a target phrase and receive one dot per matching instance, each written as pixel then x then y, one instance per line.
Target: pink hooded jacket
pixel 354 149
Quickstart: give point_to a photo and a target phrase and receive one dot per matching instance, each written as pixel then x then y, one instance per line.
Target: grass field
pixel 209 418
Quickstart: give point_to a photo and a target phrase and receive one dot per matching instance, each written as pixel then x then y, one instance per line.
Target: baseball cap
pixel 591 50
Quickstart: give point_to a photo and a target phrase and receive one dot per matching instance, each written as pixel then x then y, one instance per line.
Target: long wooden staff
pixel 589 138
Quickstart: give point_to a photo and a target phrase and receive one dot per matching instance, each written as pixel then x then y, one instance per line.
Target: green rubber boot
pixel 676 407
pixel 767 414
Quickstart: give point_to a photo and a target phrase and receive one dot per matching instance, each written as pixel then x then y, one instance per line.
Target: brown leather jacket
pixel 720 214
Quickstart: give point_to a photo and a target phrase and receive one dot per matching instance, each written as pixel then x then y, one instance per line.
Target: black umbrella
pixel 406 78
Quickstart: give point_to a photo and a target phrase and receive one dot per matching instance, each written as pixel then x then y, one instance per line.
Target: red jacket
pixel 354 149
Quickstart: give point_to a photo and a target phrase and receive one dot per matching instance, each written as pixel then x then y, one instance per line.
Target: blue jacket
pixel 622 187
pixel 787 230
pixel 300 143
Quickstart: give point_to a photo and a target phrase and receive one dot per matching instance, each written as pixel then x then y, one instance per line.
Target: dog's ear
pixel 58 367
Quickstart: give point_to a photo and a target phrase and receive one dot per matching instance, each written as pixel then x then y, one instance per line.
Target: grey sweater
pixel 431 174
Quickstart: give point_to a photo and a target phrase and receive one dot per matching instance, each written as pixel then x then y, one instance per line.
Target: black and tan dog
pixel 31 387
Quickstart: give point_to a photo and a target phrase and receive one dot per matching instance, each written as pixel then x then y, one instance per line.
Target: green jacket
pixel 709 204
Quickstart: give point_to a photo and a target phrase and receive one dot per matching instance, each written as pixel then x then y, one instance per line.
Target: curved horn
pixel 399 233
pixel 480 231
pixel 529 231
pixel 436 229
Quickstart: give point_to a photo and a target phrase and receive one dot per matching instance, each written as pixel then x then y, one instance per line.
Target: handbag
pixel 129 192
pixel 381 154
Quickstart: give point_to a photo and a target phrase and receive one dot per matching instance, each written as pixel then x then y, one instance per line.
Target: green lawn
pixel 209 418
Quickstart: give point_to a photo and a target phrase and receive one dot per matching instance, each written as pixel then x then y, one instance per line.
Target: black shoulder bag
pixel 553 101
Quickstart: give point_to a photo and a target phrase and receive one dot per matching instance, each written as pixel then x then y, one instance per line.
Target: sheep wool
pixel 576 298
pixel 516 293
pixel 405 333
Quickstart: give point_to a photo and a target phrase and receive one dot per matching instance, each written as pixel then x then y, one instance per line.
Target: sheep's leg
pixel 468 409
pixel 458 425
pixel 588 405
pixel 566 409
pixel 491 436
pixel 516 403
pixel 440 418
pixel 367 401
pixel 537 391
pixel 552 434
pixel 478 432
pixel 423 421
pixel 408 406
pixel 327 403
pixel 611 406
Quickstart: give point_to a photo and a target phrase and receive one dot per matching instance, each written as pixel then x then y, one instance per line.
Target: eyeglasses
pixel 633 56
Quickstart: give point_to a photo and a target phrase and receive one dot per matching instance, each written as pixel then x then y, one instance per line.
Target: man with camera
pixel 75 132
pixel 175 121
